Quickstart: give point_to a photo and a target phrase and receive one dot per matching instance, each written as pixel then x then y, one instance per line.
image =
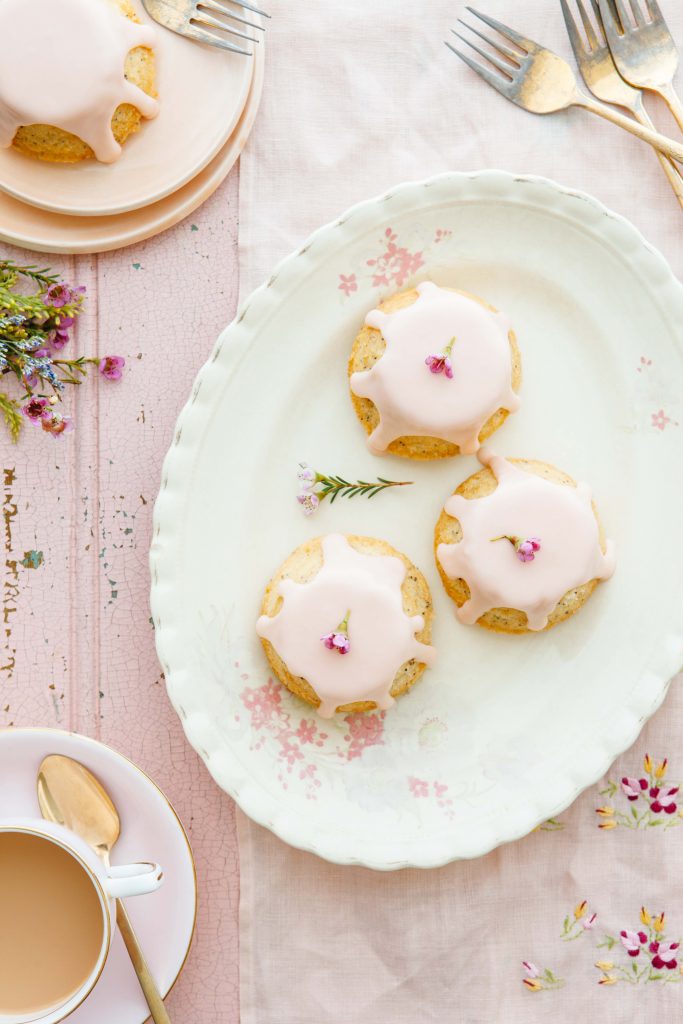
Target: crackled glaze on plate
pixel 504 731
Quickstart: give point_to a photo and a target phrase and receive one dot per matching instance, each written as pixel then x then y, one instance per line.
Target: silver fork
pixel 602 78
pixel 207 21
pixel 539 81
pixel 643 49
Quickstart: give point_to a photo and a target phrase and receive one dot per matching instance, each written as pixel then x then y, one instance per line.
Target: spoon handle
pixel 147 982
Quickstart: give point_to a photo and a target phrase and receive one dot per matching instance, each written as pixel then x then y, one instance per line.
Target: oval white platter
pixel 504 731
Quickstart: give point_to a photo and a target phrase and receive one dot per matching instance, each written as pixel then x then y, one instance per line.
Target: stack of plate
pixel 208 101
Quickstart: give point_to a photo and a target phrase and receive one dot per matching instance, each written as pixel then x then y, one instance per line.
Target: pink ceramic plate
pixel 41 231
pixel 150 830
pixel 202 92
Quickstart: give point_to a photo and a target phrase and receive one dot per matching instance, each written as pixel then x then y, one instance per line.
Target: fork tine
pixel 578 45
pixel 502 65
pixel 206 35
pixel 204 18
pixel 250 7
pixel 610 19
pixel 637 13
pixel 654 11
pixel 514 55
pixel 501 84
pixel 508 33
pixel 588 26
pixel 623 14
pixel 598 16
pixel 220 9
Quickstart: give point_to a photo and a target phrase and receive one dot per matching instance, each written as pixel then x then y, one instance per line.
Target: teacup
pixel 57 917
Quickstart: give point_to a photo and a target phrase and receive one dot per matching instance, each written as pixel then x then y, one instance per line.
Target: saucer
pixel 150 830
pixel 202 92
pixel 43 231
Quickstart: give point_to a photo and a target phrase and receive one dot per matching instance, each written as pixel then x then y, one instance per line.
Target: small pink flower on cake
pixel 338 639
pixel 526 549
pixel 442 363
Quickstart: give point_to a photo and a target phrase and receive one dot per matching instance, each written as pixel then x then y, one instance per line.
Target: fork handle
pixel 665 145
pixel 670 97
pixel 675 179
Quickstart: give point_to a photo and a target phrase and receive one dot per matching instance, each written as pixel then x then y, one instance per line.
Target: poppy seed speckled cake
pixel 76 77
pixel 519 546
pixel 346 623
pixel 433 373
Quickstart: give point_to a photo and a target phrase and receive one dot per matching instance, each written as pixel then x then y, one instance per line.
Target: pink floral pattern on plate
pixel 392 264
pixel 431 789
pixel 661 421
pixel 297 743
pixel 653 801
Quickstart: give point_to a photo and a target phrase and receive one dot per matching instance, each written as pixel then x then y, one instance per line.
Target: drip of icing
pixel 381 634
pixel 523 505
pixel 63 65
pixel 410 400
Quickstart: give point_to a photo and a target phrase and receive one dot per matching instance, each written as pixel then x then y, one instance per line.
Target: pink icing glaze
pixel 63 65
pixel 410 400
pixel 523 505
pixel 381 634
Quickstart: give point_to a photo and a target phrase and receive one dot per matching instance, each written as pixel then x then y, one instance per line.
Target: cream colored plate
pixel 41 231
pixel 504 731
pixel 202 93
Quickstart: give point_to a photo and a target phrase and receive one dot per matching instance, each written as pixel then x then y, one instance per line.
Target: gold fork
pixel 643 49
pixel 602 78
pixel 539 81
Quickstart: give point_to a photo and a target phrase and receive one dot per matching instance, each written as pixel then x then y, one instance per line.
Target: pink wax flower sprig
pixel 338 639
pixel 34 328
pixel 442 363
pixel 316 486
pixel 526 549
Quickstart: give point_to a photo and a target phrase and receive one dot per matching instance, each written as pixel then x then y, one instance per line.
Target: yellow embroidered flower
pixel 604 812
pixel 660 770
pixel 611 823
pixel 533 984
pixel 647 764
pixel 580 910
pixel 604 965
pixel 658 923
pixel 645 916
pixel 608 979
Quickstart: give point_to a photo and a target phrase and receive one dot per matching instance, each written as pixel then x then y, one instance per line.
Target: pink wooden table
pixel 76 640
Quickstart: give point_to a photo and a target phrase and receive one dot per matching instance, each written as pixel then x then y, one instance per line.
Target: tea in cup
pixel 57 915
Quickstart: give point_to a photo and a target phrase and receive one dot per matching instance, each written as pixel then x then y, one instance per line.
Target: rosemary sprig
pixel 9 408
pixel 316 487
pixel 10 272
pixel 336 486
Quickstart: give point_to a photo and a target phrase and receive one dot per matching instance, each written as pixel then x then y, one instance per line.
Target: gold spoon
pixel 71 796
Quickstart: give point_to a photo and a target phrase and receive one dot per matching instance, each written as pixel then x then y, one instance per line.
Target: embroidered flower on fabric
pixel 536 979
pixel 580 920
pixel 653 801
pixel 642 954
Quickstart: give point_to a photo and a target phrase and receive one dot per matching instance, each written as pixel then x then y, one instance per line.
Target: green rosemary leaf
pixel 11 415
